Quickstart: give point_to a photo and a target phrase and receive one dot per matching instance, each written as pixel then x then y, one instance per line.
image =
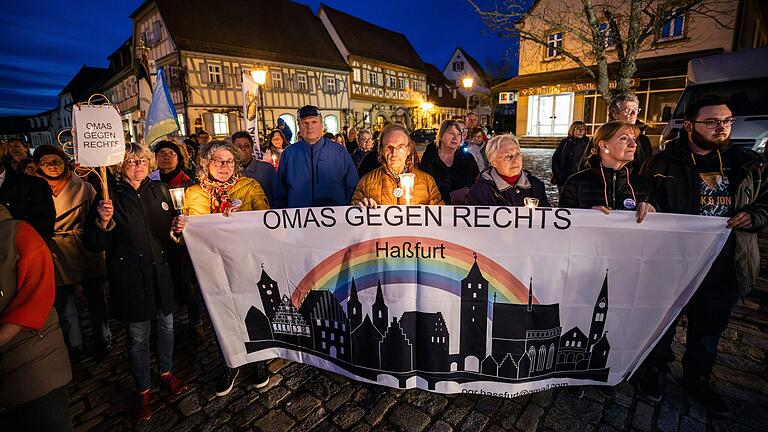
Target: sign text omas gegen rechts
pixel 420 216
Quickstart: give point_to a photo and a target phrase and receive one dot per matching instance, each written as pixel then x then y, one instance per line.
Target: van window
pixel 744 97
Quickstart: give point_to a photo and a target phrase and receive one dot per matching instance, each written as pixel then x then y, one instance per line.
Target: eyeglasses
pixel 400 149
pixel 136 162
pixel 53 163
pixel 581 129
pixel 167 154
pixel 510 157
pixel 714 123
pixel 218 163
pixel 631 111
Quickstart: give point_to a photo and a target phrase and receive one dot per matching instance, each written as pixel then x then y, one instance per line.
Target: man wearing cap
pixel 27 198
pixel 315 171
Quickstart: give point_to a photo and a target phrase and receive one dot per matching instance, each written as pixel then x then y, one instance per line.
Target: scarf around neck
pixel 57 184
pixel 219 192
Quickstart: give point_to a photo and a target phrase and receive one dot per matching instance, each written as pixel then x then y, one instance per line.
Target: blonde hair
pixel 134 151
pixel 444 129
pixel 609 130
pixel 494 144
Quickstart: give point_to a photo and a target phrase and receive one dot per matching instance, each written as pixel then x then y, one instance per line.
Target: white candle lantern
pixel 407 180
pixel 177 196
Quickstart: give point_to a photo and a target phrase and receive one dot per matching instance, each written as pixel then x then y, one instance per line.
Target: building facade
pixel 462 65
pixel 205 71
pixel 388 80
pixel 552 91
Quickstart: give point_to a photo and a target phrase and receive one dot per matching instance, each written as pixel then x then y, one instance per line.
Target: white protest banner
pixel 98 134
pixel 493 300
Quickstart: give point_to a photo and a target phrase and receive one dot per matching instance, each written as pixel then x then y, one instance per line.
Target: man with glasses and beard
pixel 701 173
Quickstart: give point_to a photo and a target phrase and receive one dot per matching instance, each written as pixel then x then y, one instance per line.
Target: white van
pixel 741 80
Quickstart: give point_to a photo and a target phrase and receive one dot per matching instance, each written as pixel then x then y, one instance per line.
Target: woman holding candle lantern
pixel 609 183
pixel 397 181
pixel 276 143
pixel 505 182
pixel 137 227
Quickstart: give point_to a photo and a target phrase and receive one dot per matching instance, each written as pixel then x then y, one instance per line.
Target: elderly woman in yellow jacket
pixel 222 188
pixel 387 185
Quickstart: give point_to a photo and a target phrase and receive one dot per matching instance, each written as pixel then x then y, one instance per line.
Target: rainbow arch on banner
pixel 361 262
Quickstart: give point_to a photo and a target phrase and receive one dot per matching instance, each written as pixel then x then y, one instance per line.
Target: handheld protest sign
pixel 98 135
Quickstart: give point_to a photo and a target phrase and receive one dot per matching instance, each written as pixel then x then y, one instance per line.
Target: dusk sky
pixel 44 43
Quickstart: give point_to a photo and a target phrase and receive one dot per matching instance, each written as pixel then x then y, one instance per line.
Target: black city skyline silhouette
pixel 527 341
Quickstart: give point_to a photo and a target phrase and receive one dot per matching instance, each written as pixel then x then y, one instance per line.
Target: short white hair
pixel 494 144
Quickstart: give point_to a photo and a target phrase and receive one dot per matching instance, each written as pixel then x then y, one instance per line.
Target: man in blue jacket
pixel 315 171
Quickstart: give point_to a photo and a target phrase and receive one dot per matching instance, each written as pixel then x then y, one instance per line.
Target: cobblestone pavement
pixel 302 398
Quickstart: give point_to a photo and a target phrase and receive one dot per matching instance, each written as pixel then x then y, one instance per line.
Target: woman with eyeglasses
pixel 74 264
pixel 569 153
pixel 453 168
pixel 223 189
pixel 137 228
pixel 625 108
pixel 363 146
pixel 385 185
pixel 610 182
pixel 505 182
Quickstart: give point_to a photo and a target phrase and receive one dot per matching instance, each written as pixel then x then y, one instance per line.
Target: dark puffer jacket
pixel 492 190
pixel 566 159
pixel 138 244
pixel 462 173
pixel 599 186
pixel 644 148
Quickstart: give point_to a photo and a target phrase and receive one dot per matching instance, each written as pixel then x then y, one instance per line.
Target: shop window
pixel 661 105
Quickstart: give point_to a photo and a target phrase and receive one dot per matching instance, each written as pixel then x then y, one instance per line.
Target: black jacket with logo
pixel 591 187
pixel 137 244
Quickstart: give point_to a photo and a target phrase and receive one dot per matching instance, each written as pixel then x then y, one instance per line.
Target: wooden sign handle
pixel 104 188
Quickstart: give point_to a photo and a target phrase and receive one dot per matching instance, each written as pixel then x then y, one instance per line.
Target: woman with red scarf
pixel 223 189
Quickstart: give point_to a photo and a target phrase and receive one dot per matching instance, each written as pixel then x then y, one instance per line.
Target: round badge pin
pixel 237 203
pixel 164 205
pixel 629 204
pixel 397 192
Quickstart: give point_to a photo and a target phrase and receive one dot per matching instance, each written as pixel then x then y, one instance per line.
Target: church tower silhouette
pixel 474 316
pixel 380 311
pixel 354 308
pixel 598 315
pixel 270 294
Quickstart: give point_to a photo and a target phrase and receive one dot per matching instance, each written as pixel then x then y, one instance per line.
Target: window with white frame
pixel 276 78
pixel 330 84
pixel 674 27
pixel 372 79
pixel 356 75
pixel 301 82
pixel 220 124
pixel 214 74
pixel 401 83
pixel 554 45
pixel 458 66
pixel 608 41
pixel 391 82
pixel 416 85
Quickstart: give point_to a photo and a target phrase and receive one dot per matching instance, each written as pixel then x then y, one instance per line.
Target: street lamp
pixel 260 77
pixel 468 81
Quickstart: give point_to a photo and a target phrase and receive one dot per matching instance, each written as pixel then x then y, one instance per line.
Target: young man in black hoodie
pixel 700 173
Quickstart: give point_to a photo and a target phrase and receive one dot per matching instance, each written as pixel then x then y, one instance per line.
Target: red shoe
pixel 173 384
pixel 144 406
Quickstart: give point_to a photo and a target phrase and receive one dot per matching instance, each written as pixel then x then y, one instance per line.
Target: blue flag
pixel 161 118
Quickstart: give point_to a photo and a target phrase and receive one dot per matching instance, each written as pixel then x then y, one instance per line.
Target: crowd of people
pixel 126 251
